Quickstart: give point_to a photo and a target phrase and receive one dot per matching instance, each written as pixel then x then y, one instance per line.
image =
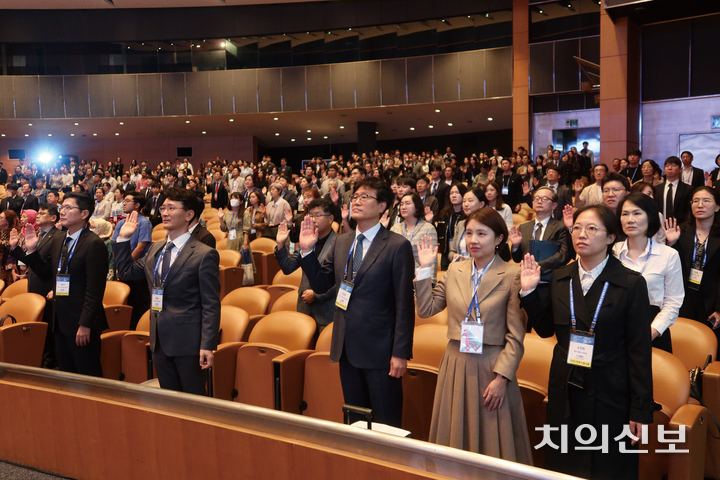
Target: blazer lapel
pixel 329 243
pixel 78 245
pixel 491 279
pixel 377 246
pixel 463 277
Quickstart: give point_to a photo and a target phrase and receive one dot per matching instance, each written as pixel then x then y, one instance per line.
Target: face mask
pixel 180 174
pixel 234 202
pixel 274 171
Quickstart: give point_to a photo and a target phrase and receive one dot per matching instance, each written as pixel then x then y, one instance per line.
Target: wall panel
pixel 420 80
pixel 245 91
pixel 100 92
pixel 342 80
pixel 76 97
pixel 7 102
pixel 197 91
pixel 125 95
pixel 27 97
pixel 149 95
pixel 51 97
pixel 472 75
pixel 317 83
pixel 220 85
pixel 293 89
pixel 173 94
pixel 367 81
pixel 394 86
pixel 445 77
pixel 270 89
pixel 498 72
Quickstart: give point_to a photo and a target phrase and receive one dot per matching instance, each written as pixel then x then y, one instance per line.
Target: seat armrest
pixel 252 321
pixel 289 374
pixel 224 365
pixel 689 466
pixel 111 354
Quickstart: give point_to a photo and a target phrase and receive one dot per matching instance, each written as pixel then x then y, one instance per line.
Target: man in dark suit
pixel 287 194
pixel 13 201
pixel 552 181
pixel 219 198
pixel 373 270
pixel 78 268
pixel 285 168
pixel 511 185
pixel 692 176
pixel 429 201
pixel 153 200
pixel 29 201
pixel 673 196
pixel 438 188
pixel 197 230
pixel 183 275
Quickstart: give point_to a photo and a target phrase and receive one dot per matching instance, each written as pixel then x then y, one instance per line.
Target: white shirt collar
pixel 595 272
pixel 180 241
pixel 544 222
pixel 647 252
pixel 483 271
pixel 674 184
pixel 191 229
pixel 74 236
pixel 370 233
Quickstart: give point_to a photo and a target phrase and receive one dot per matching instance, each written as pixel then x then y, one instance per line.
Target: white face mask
pixel 234 202
pixel 180 174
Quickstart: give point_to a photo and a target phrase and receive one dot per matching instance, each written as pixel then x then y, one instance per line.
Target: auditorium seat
pixel 25 307
pixel 221 244
pixel 534 404
pixel 218 234
pixel 418 384
pixel 208 214
pixel 111 348
pixel 671 389
pixel 2 285
pixel 15 288
pixel 324 339
pixel 322 391
pixel 233 323
pixel 692 342
pixel 213 222
pixel 116 293
pixel 230 258
pixel 118 317
pixel 159 235
pixel 253 300
pixel 429 343
pixel 711 396
pixel 274 335
pixel 158 227
pixel 518 219
pixel 293 279
pixel 263 251
pixel 134 357
pixel 535 364
pixel 22 343
pixel 282 291
pixel 440 318
pixel 231 274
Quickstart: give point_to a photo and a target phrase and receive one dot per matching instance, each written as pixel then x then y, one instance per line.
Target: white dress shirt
pixel 369 235
pixel 544 223
pixel 674 192
pixel 587 278
pixel 660 267
pixel 687 176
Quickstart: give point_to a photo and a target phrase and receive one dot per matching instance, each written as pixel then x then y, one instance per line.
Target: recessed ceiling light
pixel 377 133
pixel 277 134
pixel 187 121
pixel 490 119
pixel 72 134
pixel 29 124
pixel 204 132
pixel 77 123
pixel 437 110
pixel 116 133
pixel 323 137
pixel 412 128
pixel 275 118
pixel 27 135
pixel 449 124
pixel 198 45
pixel 49 134
pixel 222 44
pixel 430 126
pixel 342 126
pixel 122 123
pixel 231 120
pixel 309 131
pixel 94 134
pixel 3 134
pixel 309 138
pixel 292 139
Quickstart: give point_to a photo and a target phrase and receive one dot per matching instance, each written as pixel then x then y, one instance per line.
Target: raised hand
pixel 129 227
pixel 529 273
pixel 334 195
pixel 427 254
pixel 14 238
pixel 428 215
pixel 384 219
pixel 526 188
pixel 282 234
pixel 578 186
pixel 515 236
pixel 308 235
pixel 345 211
pixel 31 238
pixel 261 209
pixel 491 177
pixel 568 214
pixel 708 180
pixel 220 213
pixel 672 231
pixel 536 182
pixel 288 214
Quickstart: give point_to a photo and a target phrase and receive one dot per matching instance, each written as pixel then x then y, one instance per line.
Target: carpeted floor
pixel 13 472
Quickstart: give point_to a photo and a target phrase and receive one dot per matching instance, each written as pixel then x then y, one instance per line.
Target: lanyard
pixel 232 222
pixel 695 250
pixel 479 275
pixel 597 309
pixel 157 265
pixel 506 184
pixel 71 253
pixel 411 234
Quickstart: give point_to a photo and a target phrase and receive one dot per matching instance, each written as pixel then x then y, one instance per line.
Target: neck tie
pixel 669 212
pixel 358 256
pixel 538 231
pixel 166 259
pixel 434 188
pixel 64 255
pixel 699 256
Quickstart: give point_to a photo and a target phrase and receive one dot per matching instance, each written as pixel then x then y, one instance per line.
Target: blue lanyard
pixel 232 222
pixel 475 303
pixel 157 265
pixel 648 258
pixel 597 309
pixel 72 252
pixel 695 250
pixel 413 232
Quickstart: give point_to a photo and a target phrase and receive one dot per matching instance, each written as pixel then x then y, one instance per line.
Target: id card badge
pixel 695 279
pixel 62 285
pixel 471 337
pixel 343 296
pixel 505 191
pixel 156 302
pixel 232 235
pixel 152 212
pixel 581 347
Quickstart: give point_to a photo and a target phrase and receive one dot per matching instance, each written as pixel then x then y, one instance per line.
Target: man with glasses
pixel 77 267
pixel 372 270
pixel 319 306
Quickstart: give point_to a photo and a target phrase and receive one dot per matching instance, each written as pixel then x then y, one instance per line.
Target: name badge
pixel 695 279
pixel 156 302
pixel 581 347
pixel 216 196
pixel 253 231
pixel 505 190
pixel 152 212
pixel 343 296
pixel 471 337
pixel 62 285
pixel 232 235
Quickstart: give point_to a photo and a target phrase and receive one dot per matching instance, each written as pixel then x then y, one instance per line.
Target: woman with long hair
pixel 495 200
pixel 254 222
pixel 448 218
pixel 414 227
pixel 650 170
pixel 472 201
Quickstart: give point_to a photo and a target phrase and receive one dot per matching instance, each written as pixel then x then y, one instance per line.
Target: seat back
pixel 692 342
pixel 270 267
pixel 217 233
pixel 233 322
pixel 293 279
pixel 15 288
pixel 144 323
pixel 440 318
pixel 231 278
pixel 533 397
pixel 418 385
pixel 2 285
pixel 711 395
pixel 159 235
pixel 229 258
pixel 23 343
pixel 134 357
pixel 322 392
pixel 25 307
pixel 263 245
pixel 118 317
pixel 429 343
pixel 324 339
pixel 535 364
pixel 221 244
pixel 287 293
pixel 290 330
pixel 116 293
pixel 254 374
pixel 251 299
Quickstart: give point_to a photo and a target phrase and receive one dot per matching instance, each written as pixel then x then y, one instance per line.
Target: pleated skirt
pixel 460 420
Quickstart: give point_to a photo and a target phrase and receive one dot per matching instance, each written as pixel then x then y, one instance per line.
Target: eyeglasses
pixel 590 230
pixel 66 207
pixel 318 215
pixel 704 201
pixel 361 198
pixel 614 190
pixel 170 209
pixel 543 199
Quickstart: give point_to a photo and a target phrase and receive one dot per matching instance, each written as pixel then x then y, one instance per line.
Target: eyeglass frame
pixel 579 229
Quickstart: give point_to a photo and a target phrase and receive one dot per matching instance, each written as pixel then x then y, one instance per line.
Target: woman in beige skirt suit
pixel 478 406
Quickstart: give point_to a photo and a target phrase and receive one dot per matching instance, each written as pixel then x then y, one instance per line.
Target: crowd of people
pixel 610 257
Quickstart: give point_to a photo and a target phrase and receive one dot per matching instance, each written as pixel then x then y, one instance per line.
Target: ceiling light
pixel 437 110
pixel 309 138
pixel 49 134
pixel 187 121
pixel 27 135
pixel 292 139
pixel 275 118
pixel 3 134
pixel 449 124
pixel 77 123
pixel 29 124
pixel 540 11
pixel 116 134
pixel 309 131
pixel 430 126
pixel 204 132
pixel 94 134
pixel 342 126
pixel 490 119
pixel 377 133
pixel 323 137
pixel 231 120
pixel 412 128
pixel 72 134
pixel 222 44
pixel 277 134
pixel 198 46
pixel 122 123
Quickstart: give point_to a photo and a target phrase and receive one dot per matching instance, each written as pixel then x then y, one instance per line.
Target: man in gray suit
pixel 320 306
pixel 183 276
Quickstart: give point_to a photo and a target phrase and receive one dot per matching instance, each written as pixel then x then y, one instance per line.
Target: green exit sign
pixel 571 123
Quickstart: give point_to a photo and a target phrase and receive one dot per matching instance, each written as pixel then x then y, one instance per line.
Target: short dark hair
pixel 13 186
pixel 188 199
pixel 51 210
pixel 688 152
pixel 607 217
pixel 83 201
pixel 384 192
pixel 408 181
pixel 417 203
pixel 324 203
pixel 598 165
pixel 137 198
pixel 552 166
pixel 156 185
pixel 616 177
pixel 494 221
pixel 673 161
pixel 634 151
pixel 647 205
pixel 436 168
pixel 480 194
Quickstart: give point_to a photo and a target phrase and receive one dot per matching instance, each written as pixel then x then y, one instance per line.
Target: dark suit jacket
pixel 12 203
pixel 555 231
pixel 202 235
pixel 222 196
pixel 155 218
pixel 709 285
pixel 564 198
pixel 514 184
pixel 442 193
pixel 681 203
pixel 37 284
pixel 323 308
pixel 379 321
pixel 291 198
pixel 30 203
pixel 433 203
pixel 619 386
pixel 87 268
pixel 698 177
pixel 190 319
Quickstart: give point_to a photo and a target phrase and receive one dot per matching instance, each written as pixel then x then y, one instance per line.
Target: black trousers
pixel 181 374
pixel 84 360
pixel 48 360
pixel 139 300
pixel 374 389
